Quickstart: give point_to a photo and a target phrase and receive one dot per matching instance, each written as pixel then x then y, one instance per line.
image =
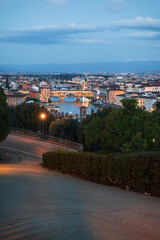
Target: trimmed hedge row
pixel 137 172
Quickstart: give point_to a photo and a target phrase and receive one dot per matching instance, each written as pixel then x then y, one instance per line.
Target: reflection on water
pixel 69 99
pixel 72 105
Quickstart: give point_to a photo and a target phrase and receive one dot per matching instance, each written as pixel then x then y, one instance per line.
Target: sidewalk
pixel 12 156
pixel 51 139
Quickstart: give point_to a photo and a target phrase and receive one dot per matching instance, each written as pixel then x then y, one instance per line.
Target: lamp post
pixel 43 116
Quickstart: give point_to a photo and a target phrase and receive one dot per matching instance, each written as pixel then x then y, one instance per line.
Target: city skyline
pixel 64 32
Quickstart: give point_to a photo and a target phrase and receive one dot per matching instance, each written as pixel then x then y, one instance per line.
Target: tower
pixel 83 112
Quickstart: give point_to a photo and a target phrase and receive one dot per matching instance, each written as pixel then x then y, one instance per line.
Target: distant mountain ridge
pixel 108 67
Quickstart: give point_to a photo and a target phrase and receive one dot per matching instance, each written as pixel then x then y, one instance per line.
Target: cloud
pixel 137 23
pixel 114 6
pixel 141 60
pixel 145 35
pixel 150 27
pixel 147 28
pixel 48 34
pixel 92 41
pixel 57 3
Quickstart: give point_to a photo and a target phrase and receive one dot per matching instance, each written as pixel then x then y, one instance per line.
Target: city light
pixel 43 116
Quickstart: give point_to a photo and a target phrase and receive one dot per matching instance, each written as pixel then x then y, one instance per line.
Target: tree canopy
pixel 27 116
pixel 5 118
pixel 65 128
pixel 129 129
pixel 101 113
pixel 7 83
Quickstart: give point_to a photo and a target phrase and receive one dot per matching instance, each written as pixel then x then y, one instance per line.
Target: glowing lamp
pixel 43 116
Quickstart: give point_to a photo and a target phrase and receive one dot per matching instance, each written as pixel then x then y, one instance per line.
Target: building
pixel 13 84
pixel 83 112
pixel 119 98
pixel 153 88
pixel 112 93
pixel 13 99
pixel 149 103
pixel 26 87
pixel 51 107
pixel 43 84
pixel 34 94
pixel 140 101
pixel 45 93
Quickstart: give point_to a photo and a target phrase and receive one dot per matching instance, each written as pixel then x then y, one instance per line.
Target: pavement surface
pixel 36 204
pixel 31 145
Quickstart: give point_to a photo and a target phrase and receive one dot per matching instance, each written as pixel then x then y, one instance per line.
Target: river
pixel 71 105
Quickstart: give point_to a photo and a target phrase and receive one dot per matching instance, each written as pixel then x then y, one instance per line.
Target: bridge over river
pixel 72 93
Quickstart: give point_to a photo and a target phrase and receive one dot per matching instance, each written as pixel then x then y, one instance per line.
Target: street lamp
pixel 42 116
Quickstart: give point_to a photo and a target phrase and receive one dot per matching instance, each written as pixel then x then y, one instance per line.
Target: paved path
pixel 38 204
pixel 31 145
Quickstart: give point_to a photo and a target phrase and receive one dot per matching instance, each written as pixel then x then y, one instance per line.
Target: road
pixel 31 145
pixel 39 204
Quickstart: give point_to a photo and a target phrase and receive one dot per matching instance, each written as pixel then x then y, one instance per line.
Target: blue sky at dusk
pixel 86 31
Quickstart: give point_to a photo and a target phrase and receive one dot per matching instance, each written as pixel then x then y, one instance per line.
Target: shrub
pixel 137 171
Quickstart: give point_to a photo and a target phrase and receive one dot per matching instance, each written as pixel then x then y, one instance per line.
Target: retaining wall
pixel 59 141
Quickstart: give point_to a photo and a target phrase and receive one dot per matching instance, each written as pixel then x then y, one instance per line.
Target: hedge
pixel 138 172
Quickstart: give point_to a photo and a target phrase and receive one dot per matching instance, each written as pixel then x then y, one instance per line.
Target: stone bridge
pixel 72 93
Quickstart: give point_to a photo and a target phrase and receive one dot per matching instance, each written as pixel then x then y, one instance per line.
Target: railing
pixel 52 139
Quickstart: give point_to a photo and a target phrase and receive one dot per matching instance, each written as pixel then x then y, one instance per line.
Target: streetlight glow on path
pixel 43 116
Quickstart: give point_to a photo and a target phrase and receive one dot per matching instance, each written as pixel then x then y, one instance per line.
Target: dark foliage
pixel 93 119
pixel 5 118
pixel 27 116
pixel 7 83
pixel 137 172
pixel 65 128
pixel 129 129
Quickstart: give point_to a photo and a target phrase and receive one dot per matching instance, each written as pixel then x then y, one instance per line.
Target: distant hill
pixel 109 67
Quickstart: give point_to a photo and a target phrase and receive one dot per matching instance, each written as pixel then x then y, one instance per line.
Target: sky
pixel 79 31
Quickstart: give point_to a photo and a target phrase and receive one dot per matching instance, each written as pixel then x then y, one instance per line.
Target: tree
pixel 27 116
pixel 124 129
pixel 132 129
pixel 65 128
pixel 7 83
pixel 157 105
pixel 56 129
pixel 129 106
pixel 129 129
pixel 101 113
pixel 93 132
pixel 5 118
